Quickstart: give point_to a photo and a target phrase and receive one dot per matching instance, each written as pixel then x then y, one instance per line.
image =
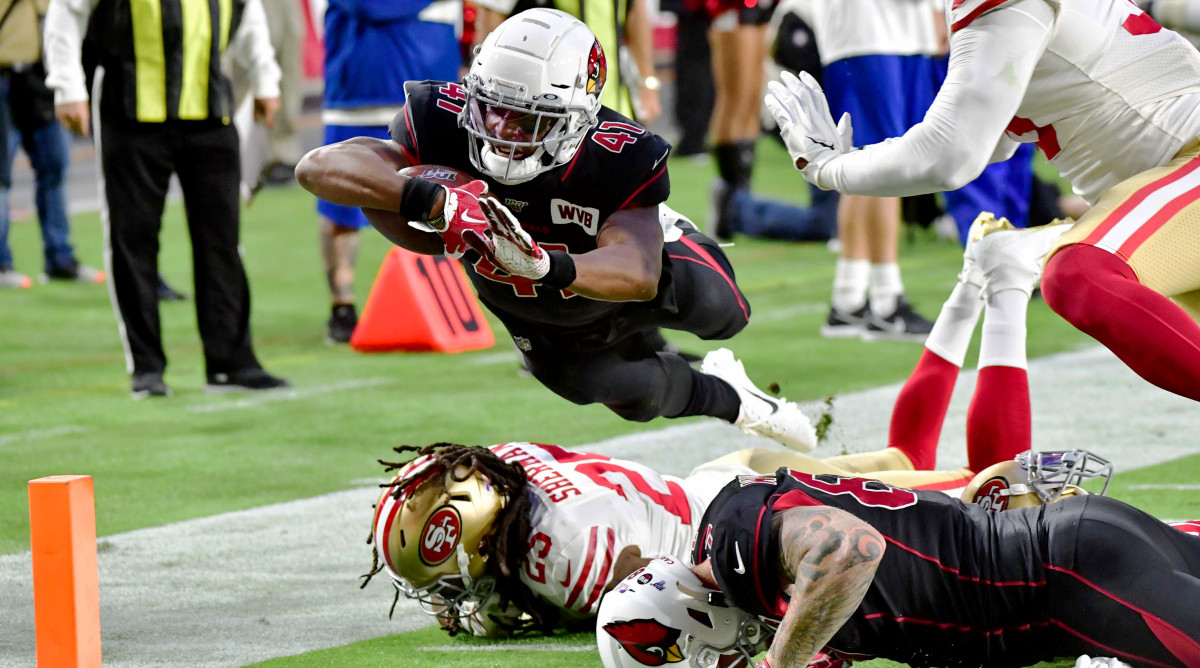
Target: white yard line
pixel 41 434
pixel 552 647
pixel 279 580
pixel 273 396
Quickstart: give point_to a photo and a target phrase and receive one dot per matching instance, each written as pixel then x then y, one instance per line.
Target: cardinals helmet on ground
pixel 1034 478
pixel 662 615
pixel 432 538
pixel 533 92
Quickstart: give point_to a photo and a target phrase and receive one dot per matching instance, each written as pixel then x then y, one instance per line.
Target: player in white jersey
pixel 1113 100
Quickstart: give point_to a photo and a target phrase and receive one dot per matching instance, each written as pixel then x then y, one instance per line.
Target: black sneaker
pixel 841 325
pixel 80 273
pixel 277 174
pixel 342 321
pixel 145 385
pixel 246 379
pixel 166 293
pixel 904 324
pixel 721 222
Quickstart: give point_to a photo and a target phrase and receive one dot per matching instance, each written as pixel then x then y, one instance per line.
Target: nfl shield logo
pixel 523 343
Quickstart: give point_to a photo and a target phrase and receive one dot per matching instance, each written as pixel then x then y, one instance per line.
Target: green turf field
pixel 65 406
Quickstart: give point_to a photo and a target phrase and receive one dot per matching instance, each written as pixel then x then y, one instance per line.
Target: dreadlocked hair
pixel 508 542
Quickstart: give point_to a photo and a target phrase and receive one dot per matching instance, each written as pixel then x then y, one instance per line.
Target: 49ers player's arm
pixel 627 265
pixel 991 63
pixel 361 172
pixel 827 560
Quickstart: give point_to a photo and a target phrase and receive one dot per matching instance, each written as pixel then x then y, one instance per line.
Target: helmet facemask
pixel 1057 473
pixel 532 94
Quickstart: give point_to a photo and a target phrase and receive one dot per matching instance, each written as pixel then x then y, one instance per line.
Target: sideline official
pixel 161 105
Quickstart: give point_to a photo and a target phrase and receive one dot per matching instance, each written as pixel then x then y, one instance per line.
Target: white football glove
pixel 510 248
pixel 1086 661
pixel 488 619
pixel 802 112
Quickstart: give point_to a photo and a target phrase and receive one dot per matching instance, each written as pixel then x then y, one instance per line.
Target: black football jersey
pixel 619 165
pixel 957 586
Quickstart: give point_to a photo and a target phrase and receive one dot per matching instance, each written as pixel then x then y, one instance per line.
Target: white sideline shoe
pixel 1011 258
pixel 761 414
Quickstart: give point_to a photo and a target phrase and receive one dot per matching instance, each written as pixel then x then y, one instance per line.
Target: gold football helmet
pixel 432 538
pixel 1034 478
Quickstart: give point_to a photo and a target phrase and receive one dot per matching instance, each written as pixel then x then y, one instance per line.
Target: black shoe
pixel 145 385
pixel 246 379
pixel 342 321
pixel 167 293
pixel 80 273
pixel 721 222
pixel 904 324
pixel 277 174
pixel 841 325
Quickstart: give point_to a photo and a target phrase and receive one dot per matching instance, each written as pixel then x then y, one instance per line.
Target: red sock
pixel 1100 294
pixel 998 418
pixel 921 408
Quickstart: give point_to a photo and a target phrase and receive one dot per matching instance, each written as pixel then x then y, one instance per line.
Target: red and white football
pixel 447 176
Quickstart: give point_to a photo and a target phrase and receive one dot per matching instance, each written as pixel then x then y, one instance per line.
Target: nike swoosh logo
pixel 817 141
pixel 770 402
pixel 740 569
pixel 567 580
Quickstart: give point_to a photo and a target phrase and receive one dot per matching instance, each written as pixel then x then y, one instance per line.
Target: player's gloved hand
pixel 509 247
pixel 460 213
pixel 1086 661
pixel 802 112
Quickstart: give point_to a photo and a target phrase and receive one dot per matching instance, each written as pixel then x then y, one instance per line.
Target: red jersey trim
pixel 587 568
pixel 602 576
pixel 662 170
pixel 412 135
pixel 966 20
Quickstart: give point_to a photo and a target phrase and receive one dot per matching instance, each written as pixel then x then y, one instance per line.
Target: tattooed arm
pixel 827 560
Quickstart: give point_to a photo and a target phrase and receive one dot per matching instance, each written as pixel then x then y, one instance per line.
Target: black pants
pixel 138 160
pixel 628 373
pixel 1127 585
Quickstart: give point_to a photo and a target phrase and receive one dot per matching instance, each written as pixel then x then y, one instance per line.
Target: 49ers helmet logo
pixel 991 495
pixel 440 535
pixel 648 641
pixel 597 69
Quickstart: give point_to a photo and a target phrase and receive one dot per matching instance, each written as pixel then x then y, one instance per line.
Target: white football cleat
pixel 971 274
pixel 761 414
pixel 1011 258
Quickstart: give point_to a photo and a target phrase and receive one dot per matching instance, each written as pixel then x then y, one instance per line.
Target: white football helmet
pixel 662 614
pixel 533 92
pixel 432 538
pixel 1034 478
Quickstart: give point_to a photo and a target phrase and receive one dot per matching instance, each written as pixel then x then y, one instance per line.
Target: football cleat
pixel 971 274
pixel 1086 661
pixel 761 414
pixel 11 278
pixel 1011 258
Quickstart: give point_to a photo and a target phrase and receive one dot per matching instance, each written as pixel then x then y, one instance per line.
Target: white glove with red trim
pixel 460 214
pixel 508 247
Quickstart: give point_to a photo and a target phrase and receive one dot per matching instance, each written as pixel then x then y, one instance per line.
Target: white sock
pixel 1004 330
pixel 885 288
pixel 850 279
pixel 951 335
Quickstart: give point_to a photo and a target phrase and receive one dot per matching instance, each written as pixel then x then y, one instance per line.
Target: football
pixel 447 176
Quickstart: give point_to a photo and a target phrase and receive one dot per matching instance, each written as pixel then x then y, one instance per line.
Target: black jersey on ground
pixel 962 586
pixel 619 165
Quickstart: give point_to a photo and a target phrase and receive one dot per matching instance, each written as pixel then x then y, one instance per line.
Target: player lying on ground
pixel 582 521
pixel 572 247
pixel 1113 100
pixel 855 569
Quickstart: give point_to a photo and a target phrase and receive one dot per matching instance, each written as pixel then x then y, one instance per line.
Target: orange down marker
pixel 66 584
